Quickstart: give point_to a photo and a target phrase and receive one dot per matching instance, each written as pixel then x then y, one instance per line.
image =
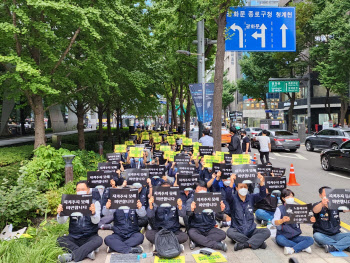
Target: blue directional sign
pixel 261 29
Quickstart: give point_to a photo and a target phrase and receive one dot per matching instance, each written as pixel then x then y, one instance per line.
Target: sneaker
pixel 106 227
pixel 182 248
pixel 308 250
pixel 347 249
pixel 109 250
pixel 91 255
pixel 65 258
pixel 221 246
pixel 136 250
pixel 238 246
pixel 329 248
pixel 192 245
pixel 263 245
pixel 97 250
pixel 288 251
pixel 154 248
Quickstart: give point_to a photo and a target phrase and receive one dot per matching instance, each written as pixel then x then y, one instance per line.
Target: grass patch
pixel 10 155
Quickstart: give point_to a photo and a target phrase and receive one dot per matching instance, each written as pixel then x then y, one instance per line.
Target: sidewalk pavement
pixel 272 254
pixel 24 139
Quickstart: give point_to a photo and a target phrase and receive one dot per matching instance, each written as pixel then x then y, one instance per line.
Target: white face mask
pixel 203 191
pixel 82 193
pixel 290 201
pixel 243 191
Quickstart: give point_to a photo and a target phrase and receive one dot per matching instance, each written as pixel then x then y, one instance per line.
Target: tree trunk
pixel 167 112
pixel 290 112
pixel 173 112
pixel 80 125
pixel 188 115
pixel 38 109
pixel 22 120
pixel 109 129
pixel 344 105
pixel 100 123
pixel 218 81
pixel 327 104
pixel 266 107
pixel 181 99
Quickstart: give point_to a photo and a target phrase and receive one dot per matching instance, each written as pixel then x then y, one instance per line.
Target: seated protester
pixel 186 194
pixel 327 226
pixel 265 209
pixel 137 162
pixel 195 161
pixel 172 172
pixel 243 228
pixel 126 237
pixel 82 240
pixel 216 183
pixel 167 217
pixel 289 235
pixel 206 174
pixel 201 226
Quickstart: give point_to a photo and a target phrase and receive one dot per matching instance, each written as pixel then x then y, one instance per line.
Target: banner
pixel 299 214
pixel 206 150
pixel 99 178
pixel 207 201
pixel 182 159
pixel 197 97
pixel 187 181
pixel 76 203
pixel 123 197
pixel 114 157
pixel 226 169
pixel 187 169
pixel 156 170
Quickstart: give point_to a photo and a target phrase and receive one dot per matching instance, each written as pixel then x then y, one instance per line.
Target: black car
pixel 327 138
pixel 338 158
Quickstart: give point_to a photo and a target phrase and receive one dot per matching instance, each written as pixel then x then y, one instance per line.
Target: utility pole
pixel 309 101
pixel 201 69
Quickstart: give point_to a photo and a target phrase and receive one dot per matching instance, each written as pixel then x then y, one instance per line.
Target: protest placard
pixel 182 159
pixel 123 197
pixel 136 152
pixel 120 148
pixel 240 159
pixel 196 145
pixel 208 161
pixel 165 148
pixel 186 168
pixel 76 203
pixel 157 147
pixel 99 178
pixel 275 183
pixel 171 140
pixel 299 214
pixel 137 176
pixel 228 158
pixel 170 155
pixel 155 170
pixel 338 199
pixel 129 143
pixel 278 171
pixel 221 156
pixel 187 180
pixel 264 169
pixel 245 173
pixel 215 257
pixel 165 195
pixel 157 139
pixel 226 169
pixel 145 142
pixel 187 148
pixel 114 157
pixel 145 137
pixel 108 166
pixel 205 150
pixel 178 259
pixel 187 141
pixel 207 201
pixel 140 145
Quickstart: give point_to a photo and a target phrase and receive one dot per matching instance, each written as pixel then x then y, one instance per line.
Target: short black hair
pixel 82 182
pixel 200 183
pixel 321 189
pixel 286 192
pixel 264 131
pixel 233 130
pixel 243 132
pixel 166 183
pixel 206 132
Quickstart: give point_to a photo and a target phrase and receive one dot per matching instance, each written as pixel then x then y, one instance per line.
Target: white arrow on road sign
pixel 284 36
pixel 261 35
pixel 240 30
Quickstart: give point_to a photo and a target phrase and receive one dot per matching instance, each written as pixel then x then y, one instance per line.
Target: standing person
pixel 83 239
pixel 265 146
pixel 289 235
pixel 245 143
pixel 234 146
pixel 206 140
pixel 327 226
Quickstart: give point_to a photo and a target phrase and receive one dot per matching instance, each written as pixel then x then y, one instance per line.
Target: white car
pixel 252 131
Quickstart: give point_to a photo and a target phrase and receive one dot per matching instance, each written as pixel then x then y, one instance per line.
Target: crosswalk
pixel 286 155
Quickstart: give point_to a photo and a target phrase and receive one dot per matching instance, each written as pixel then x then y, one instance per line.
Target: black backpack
pixel 167 245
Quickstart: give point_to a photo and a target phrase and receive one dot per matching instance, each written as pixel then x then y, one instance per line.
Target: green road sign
pixel 284 86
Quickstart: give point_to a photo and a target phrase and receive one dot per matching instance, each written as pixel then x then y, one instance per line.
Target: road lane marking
pixel 294 156
pixel 269 156
pixel 342 224
pixel 339 176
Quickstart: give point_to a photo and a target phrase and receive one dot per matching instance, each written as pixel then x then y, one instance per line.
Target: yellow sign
pixel 196 145
pixel 240 159
pixel 157 139
pixel 145 136
pixel 179 259
pixel 165 148
pixel 129 143
pixel 208 161
pixel 170 155
pixel 136 152
pixel 171 140
pixel 187 141
pixel 216 257
pixel 157 146
pixel 120 148
pixel 220 155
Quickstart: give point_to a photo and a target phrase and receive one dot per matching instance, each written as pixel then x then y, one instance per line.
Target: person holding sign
pixel 241 204
pixel 202 229
pixel 126 237
pixel 206 140
pixel 83 239
pixel 206 174
pixel 234 146
pixel 165 216
pixel 327 226
pixel 289 235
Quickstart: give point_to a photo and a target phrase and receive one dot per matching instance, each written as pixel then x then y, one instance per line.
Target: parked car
pixel 336 158
pixel 280 140
pixel 251 131
pixel 327 138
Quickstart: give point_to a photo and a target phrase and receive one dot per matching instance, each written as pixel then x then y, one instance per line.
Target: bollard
pixel 100 147
pixel 68 167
